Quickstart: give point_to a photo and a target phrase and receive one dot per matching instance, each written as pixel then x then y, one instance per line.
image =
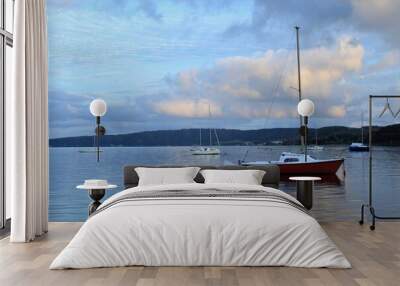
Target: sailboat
pixel 357 146
pixel 316 147
pixel 90 150
pixel 202 150
pixel 301 164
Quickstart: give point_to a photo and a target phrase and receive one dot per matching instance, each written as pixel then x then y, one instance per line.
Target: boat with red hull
pixel 312 168
pixel 296 164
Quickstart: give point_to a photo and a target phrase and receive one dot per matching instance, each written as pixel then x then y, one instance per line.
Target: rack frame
pixel 370 174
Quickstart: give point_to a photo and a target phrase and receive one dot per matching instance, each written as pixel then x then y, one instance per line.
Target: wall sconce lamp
pixel 305 108
pixel 98 108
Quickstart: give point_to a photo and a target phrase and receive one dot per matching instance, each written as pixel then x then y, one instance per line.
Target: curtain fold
pixel 27 119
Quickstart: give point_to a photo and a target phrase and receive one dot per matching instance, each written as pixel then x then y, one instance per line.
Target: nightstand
pixel 96 190
pixel 305 187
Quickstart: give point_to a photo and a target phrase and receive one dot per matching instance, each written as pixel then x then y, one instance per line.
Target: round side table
pixel 96 193
pixel 305 187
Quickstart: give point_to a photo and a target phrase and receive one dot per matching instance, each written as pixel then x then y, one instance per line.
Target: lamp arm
pixel 305 137
pixel 98 137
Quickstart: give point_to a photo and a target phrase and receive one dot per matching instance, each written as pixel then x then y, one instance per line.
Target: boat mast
pixel 299 76
pixel 298 62
pixel 209 116
pixel 362 130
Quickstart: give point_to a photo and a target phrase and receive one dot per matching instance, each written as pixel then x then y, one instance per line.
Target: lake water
pixel 333 200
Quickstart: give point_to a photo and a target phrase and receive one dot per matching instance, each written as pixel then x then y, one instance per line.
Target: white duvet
pixel 200 231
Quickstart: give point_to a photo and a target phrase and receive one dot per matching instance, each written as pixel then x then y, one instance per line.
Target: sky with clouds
pixel 166 64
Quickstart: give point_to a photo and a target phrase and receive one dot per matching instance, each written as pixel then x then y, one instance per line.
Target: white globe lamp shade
pixel 98 107
pixel 305 107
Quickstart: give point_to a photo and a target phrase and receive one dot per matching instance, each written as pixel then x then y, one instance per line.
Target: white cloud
pixel 389 59
pixel 260 86
pixel 380 16
pixel 241 91
pixel 337 111
pixel 263 112
pixel 188 108
pixel 72 109
pixel 323 67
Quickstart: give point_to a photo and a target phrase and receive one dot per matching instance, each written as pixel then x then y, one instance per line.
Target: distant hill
pixel 387 135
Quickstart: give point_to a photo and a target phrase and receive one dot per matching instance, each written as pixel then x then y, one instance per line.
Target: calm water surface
pixel 333 199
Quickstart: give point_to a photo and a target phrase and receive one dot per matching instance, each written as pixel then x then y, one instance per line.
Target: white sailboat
pixel 204 150
pixel 316 147
pixel 91 150
pixel 207 151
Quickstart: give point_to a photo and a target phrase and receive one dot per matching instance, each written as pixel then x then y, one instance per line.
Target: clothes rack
pixel 370 173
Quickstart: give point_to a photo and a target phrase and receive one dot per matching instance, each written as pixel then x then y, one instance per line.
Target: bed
pixel 197 224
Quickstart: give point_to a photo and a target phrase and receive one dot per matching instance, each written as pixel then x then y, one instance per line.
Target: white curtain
pixel 27 124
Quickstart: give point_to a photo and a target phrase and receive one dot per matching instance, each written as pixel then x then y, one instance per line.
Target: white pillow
pixel 248 177
pixel 166 176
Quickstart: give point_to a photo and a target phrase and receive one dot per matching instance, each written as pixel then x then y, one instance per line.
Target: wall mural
pixel 207 67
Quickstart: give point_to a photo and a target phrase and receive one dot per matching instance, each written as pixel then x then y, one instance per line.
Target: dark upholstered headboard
pixel 271 177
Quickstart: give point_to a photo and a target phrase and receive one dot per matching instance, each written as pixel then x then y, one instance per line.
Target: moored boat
pixel 91 150
pixel 88 151
pixel 293 163
pixel 206 151
pixel 316 148
pixel 358 147
pixel 201 150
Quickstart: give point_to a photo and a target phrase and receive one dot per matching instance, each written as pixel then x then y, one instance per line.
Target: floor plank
pixel 375 257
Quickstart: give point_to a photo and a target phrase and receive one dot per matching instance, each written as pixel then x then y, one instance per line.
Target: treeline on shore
pixel 382 135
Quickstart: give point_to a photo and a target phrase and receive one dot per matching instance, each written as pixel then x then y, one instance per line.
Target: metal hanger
pixel 387 107
pixel 397 113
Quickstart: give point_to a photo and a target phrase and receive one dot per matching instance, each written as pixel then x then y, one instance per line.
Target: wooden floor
pixel 375 257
